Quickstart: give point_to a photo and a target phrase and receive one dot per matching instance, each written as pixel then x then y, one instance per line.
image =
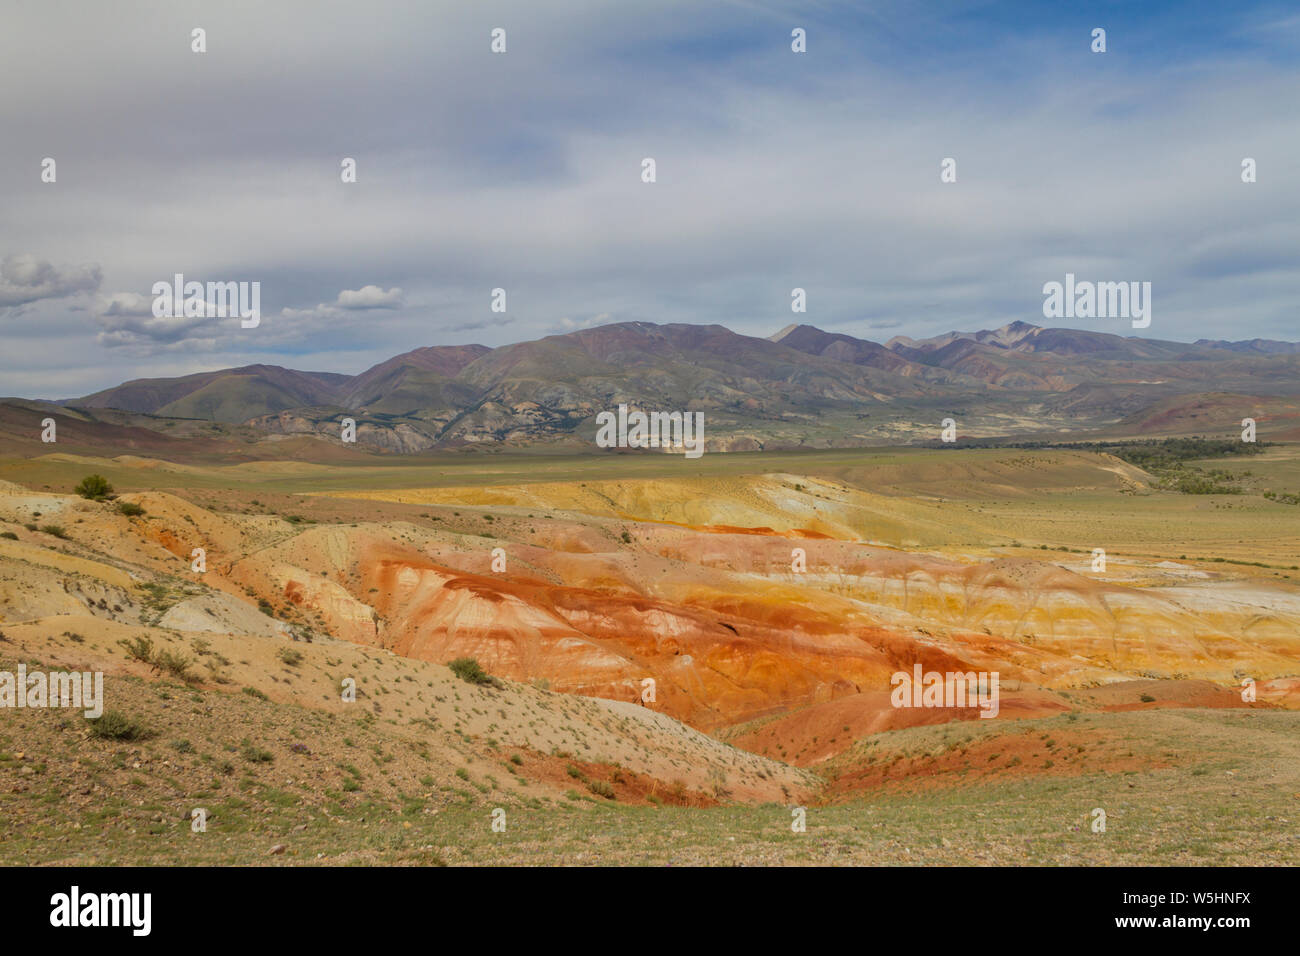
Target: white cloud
pixel 123 303
pixel 349 300
pixel 370 297
pixel 127 319
pixel 24 279
pixel 121 327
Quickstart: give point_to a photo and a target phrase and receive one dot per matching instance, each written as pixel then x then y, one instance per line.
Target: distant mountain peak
pixel 1257 346
pixel 772 389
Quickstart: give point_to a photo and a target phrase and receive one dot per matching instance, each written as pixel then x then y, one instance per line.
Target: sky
pixel 522 171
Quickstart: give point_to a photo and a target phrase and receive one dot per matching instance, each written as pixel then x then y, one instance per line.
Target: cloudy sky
pixel 522 170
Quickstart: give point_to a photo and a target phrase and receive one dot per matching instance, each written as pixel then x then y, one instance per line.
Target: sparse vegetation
pixel 173 663
pixel 161 660
pixel 270 766
pixel 288 655
pixel 254 754
pixel 115 725
pixel 469 670
pixel 94 487
pixel 138 649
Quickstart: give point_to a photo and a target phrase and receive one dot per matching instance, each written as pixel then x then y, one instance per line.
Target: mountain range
pixel 801 387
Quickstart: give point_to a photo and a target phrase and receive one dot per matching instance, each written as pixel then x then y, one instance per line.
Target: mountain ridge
pixel 800 387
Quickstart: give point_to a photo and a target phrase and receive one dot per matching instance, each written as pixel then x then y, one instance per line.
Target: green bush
pixel 94 487
pixel 162 661
pixel 130 509
pixel 56 530
pixel 468 669
pixel 114 725
pixel 176 664
pixel 289 656
pixel 255 754
pixel 139 648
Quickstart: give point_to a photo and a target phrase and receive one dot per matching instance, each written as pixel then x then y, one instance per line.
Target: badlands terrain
pixel 767 598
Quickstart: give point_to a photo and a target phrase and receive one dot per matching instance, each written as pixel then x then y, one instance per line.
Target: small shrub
pixel 56 530
pixel 9 534
pixel 130 509
pixel 254 754
pixel 469 670
pixel 601 789
pixel 289 656
pixel 176 664
pixel 139 649
pixel 94 487
pixel 115 725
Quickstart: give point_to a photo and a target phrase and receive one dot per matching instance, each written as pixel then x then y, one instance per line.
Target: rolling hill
pixel 802 387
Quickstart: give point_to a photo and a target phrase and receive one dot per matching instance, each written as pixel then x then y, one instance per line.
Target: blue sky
pixel 522 171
